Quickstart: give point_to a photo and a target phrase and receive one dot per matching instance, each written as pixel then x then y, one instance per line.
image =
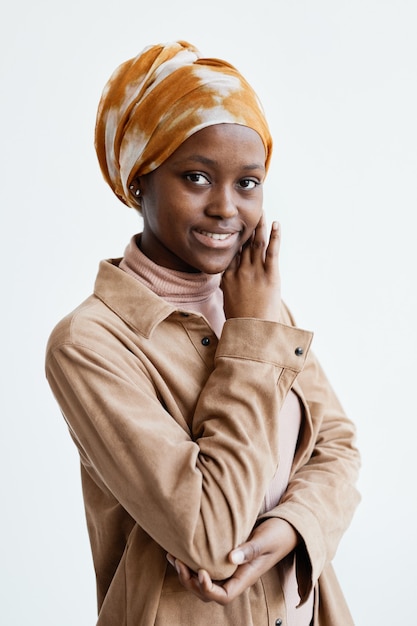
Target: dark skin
pixel 269 543
pixel 202 212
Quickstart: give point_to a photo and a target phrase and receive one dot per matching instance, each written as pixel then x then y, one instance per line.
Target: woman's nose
pixel 222 204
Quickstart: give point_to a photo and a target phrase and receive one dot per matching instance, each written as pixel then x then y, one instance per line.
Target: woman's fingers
pixel 274 536
pixel 258 249
pixel 273 248
pixel 261 249
pixel 254 249
pixel 252 285
pixel 259 241
pixel 201 584
pixel 269 543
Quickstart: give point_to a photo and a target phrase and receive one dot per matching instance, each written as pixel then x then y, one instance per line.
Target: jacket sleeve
pixel 196 494
pixel 321 496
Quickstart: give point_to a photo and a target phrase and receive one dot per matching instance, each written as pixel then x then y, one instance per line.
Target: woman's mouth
pixel 221 236
pixel 216 240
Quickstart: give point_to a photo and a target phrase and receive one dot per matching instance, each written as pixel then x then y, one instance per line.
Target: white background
pixel 338 82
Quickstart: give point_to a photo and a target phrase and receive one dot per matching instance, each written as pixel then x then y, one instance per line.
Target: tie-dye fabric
pixel 155 101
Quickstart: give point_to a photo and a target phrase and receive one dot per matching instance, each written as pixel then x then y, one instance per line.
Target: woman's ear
pixel 136 193
pixel 135 189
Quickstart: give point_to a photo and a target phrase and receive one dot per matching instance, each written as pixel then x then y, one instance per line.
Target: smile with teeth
pixel 218 236
pixel 216 241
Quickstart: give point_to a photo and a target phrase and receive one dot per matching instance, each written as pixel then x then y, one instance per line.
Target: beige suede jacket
pixel 177 436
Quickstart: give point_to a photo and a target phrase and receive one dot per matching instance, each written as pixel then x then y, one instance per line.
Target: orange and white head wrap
pixel 155 101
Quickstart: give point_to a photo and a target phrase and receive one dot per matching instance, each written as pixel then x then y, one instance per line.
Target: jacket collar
pixel 137 305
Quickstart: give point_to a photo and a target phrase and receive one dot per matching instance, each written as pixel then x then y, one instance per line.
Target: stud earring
pixel 135 191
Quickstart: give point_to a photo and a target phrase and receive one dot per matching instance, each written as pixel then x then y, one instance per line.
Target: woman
pixel 218 467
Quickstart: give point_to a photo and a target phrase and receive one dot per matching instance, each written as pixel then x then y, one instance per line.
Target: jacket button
pixel 205 341
pixel 278 622
pixel 299 351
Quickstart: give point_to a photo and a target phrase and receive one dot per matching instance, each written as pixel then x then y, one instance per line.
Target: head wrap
pixel 155 101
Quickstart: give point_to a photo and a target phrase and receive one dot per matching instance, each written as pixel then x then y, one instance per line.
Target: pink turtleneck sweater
pixel 201 294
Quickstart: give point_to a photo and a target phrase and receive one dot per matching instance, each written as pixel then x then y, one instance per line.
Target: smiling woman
pixel 202 204
pixel 218 467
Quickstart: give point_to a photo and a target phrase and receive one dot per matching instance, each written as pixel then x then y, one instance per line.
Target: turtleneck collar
pixel 195 292
pixel 176 287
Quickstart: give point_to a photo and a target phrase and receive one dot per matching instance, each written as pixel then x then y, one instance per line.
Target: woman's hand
pixel 251 284
pixel 269 543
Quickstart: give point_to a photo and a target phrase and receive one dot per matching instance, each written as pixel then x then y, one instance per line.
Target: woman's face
pixel 203 203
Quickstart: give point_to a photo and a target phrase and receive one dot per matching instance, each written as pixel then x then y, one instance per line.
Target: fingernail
pixel 238 557
pixel 177 567
pixel 170 560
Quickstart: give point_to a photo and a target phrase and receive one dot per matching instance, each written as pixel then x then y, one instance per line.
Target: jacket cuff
pixel 262 340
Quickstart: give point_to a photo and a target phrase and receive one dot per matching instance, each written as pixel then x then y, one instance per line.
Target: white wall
pixel 338 81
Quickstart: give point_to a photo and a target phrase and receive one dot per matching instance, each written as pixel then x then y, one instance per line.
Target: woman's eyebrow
pixel 212 162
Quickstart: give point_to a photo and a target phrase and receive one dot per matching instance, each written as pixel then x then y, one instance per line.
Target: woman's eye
pixel 248 183
pixel 197 178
